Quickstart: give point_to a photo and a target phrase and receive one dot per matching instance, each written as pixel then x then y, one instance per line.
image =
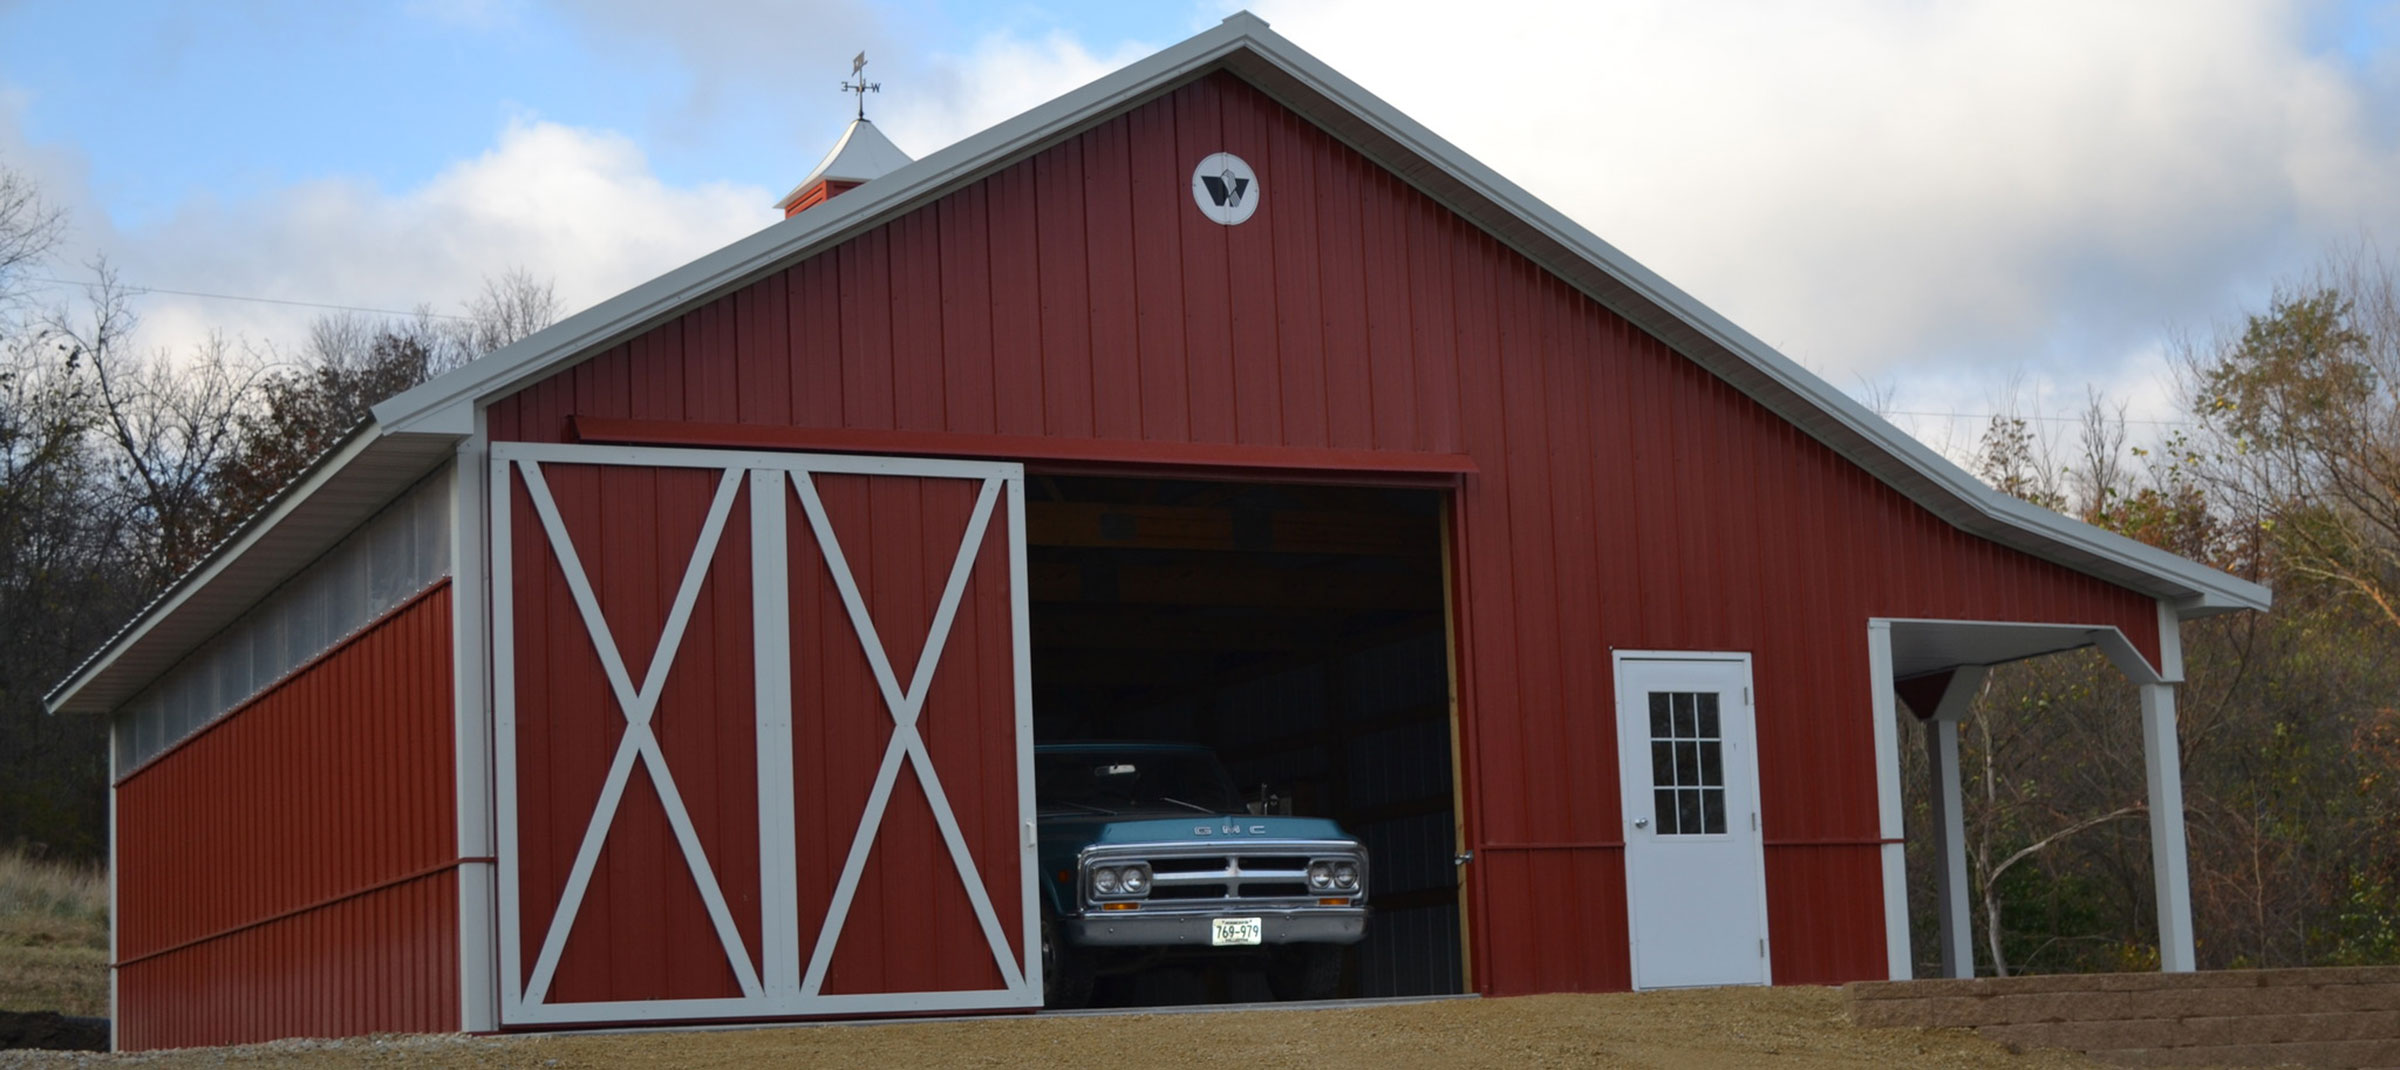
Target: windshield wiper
pixel 1180 802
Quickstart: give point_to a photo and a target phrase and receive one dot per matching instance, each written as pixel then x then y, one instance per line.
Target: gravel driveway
pixel 1791 1027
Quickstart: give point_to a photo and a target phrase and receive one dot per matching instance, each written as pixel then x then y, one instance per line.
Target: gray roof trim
pixel 345 487
pixel 1244 45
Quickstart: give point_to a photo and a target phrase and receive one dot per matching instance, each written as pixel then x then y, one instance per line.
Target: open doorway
pixel 1299 632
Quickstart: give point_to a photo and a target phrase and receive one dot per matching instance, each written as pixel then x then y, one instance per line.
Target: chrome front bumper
pixel 1187 928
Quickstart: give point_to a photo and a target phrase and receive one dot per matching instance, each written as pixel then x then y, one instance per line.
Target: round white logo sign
pixel 1225 188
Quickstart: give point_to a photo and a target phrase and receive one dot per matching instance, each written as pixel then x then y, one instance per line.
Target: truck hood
pixel 1232 829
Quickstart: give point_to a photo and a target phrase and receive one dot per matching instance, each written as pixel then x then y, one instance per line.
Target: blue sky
pixel 1962 205
pixel 172 100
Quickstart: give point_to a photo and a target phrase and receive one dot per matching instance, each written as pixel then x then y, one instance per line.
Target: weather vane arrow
pixel 859 84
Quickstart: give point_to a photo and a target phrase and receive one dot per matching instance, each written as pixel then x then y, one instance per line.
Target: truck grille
pixel 1239 877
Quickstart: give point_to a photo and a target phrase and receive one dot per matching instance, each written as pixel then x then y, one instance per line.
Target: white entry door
pixel 1695 867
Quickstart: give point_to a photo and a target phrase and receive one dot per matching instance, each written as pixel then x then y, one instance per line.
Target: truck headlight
pixel 1104 880
pixel 1134 879
pixel 1345 875
pixel 1320 875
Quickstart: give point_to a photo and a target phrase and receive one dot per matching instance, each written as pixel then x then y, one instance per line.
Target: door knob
pixel 1641 822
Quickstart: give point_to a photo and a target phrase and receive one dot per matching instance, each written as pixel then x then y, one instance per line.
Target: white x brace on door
pixel 778 977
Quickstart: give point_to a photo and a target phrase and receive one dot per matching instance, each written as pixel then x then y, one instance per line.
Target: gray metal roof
pixel 443 410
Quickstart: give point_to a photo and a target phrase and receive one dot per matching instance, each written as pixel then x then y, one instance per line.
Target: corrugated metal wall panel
pixel 383 962
pixel 289 870
pixel 1624 497
pixel 1815 912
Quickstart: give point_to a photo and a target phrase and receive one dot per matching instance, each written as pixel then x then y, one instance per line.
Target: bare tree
pixel 121 469
pixel 2016 462
pixel 171 420
pixel 30 228
pixel 2099 478
pixel 308 404
pixel 60 574
pixel 512 306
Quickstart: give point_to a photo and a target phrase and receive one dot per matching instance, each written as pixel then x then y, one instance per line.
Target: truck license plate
pixel 1230 932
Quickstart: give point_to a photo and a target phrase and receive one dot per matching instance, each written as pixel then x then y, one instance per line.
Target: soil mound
pixel 53 1031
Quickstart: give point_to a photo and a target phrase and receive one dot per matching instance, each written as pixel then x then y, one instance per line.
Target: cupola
pixel 862 155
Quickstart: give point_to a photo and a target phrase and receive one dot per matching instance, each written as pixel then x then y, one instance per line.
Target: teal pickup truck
pixel 1149 852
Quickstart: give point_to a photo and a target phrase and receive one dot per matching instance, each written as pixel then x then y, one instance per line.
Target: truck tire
pixel 1306 972
pixel 1066 974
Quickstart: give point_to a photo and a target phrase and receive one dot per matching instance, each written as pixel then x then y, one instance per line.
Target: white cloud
pixel 578 207
pixel 1945 199
pixel 1939 198
pixel 1001 76
pixel 797 51
pixel 1894 190
pixel 731 54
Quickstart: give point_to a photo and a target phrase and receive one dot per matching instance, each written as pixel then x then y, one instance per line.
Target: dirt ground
pixel 1790 1027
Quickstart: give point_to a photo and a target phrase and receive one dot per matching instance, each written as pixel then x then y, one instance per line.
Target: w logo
pixel 1225 188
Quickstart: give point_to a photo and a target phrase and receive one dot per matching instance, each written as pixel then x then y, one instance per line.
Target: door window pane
pixel 1687 762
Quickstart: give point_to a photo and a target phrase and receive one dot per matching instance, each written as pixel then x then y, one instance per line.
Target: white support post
pixel 1949 821
pixel 116 1007
pixel 1884 707
pixel 2162 758
pixel 471 734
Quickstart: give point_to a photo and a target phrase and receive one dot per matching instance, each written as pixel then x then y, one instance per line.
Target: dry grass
pixel 53 936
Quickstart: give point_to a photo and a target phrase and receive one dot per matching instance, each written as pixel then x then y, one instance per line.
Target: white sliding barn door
pixel 763 735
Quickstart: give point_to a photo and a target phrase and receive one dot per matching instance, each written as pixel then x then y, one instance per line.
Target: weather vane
pixel 861 86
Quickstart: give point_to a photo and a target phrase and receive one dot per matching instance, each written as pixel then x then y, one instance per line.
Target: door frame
pixel 1747 763
pixel 776 990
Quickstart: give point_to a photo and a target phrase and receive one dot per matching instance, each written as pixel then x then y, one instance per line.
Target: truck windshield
pixel 1117 781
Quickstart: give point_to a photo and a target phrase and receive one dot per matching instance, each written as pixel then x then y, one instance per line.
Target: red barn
pixel 682 662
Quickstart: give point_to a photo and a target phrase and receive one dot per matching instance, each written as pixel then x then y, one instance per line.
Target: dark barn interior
pixel 1299 630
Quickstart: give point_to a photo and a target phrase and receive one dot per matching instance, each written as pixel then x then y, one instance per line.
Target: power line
pixel 2045 419
pixel 130 288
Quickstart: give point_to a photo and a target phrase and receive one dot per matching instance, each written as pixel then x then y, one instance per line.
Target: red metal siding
pixel 290 870
pixel 1623 498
